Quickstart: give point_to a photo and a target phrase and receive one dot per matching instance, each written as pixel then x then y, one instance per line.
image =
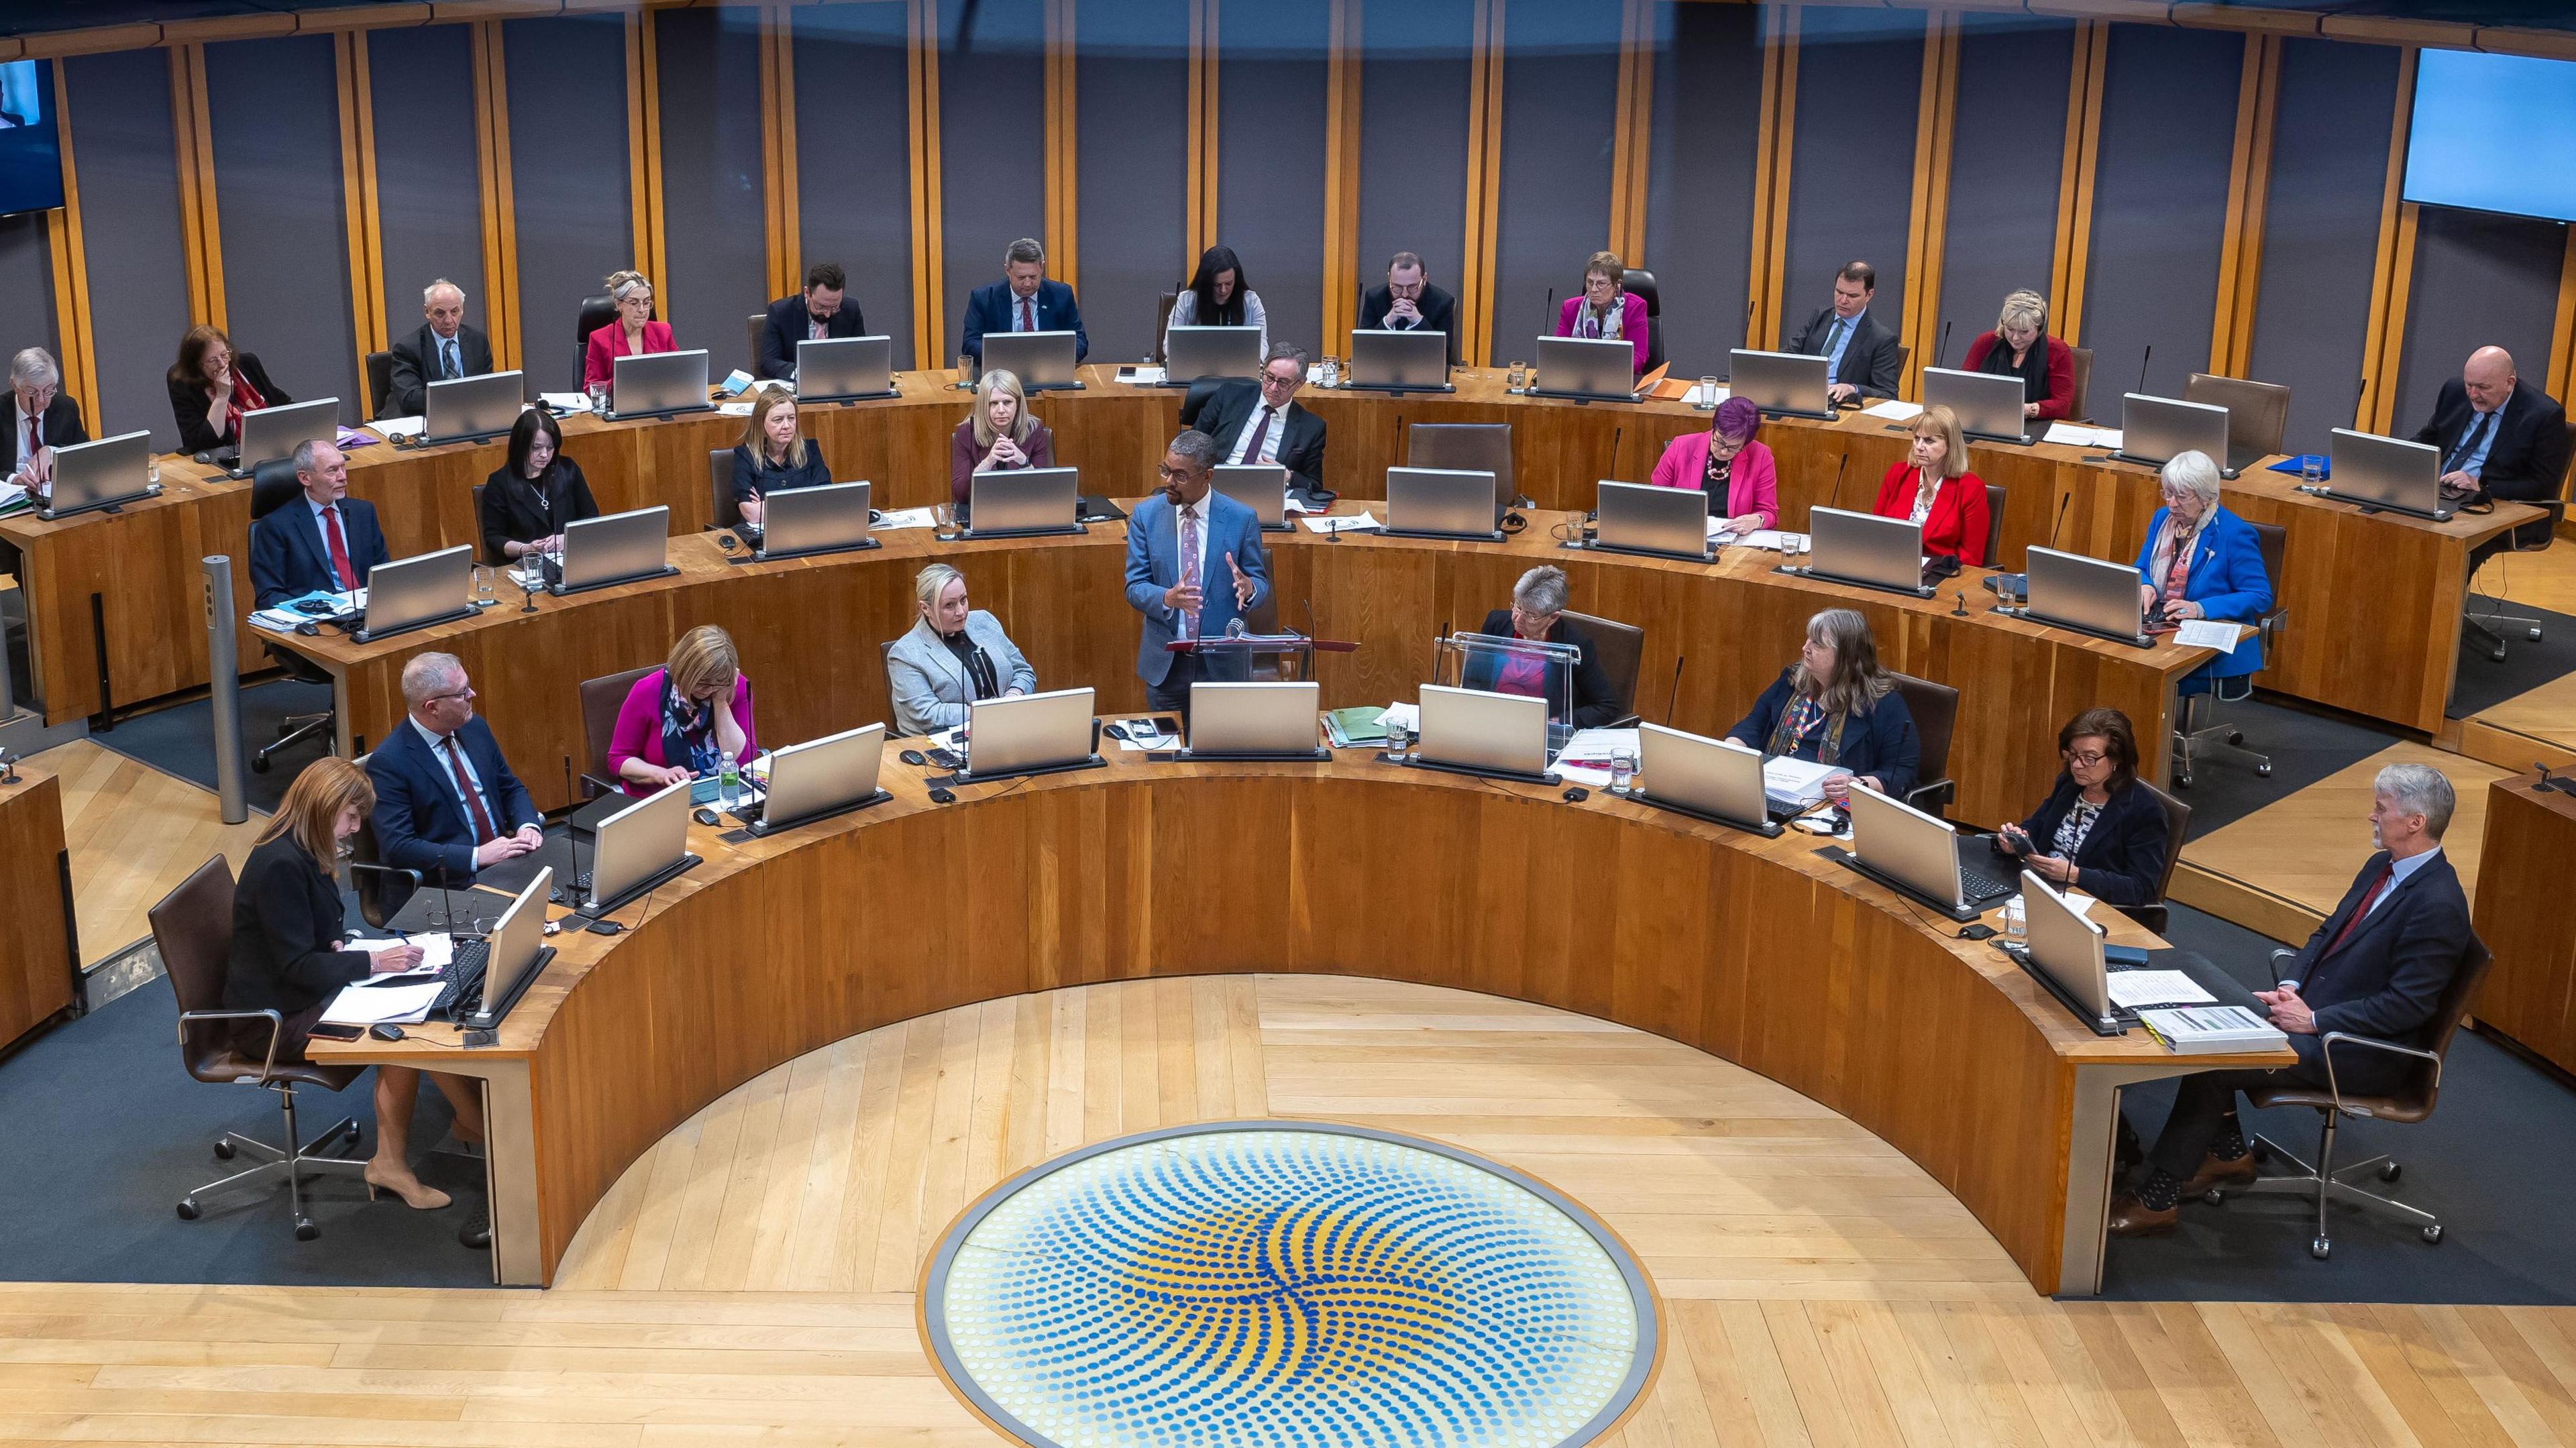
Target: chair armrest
pixel 276 1026
pixel 2331 1039
pixel 1934 797
pixel 598 786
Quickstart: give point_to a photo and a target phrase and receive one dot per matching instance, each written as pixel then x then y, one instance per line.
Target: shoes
pixel 417 1196
pixel 2131 1218
pixel 2215 1173
pixel 476 1234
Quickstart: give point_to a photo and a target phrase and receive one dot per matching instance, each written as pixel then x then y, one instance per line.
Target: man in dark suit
pixel 2500 437
pixel 443 350
pixel 822 310
pixel 45 420
pixel 1261 422
pixel 1023 301
pixel 1409 302
pixel 322 542
pixel 446 802
pixel 2376 968
pixel 1863 352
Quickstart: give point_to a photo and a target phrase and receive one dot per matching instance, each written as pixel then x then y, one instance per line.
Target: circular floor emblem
pixel 1254 1283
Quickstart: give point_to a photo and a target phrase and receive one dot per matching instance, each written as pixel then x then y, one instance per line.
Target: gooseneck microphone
pixel 2061 519
pixel 1673 699
pixel 1942 349
pixel 2142 366
pixel 1837 496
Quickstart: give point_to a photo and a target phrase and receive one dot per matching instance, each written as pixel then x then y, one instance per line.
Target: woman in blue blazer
pixel 1837 706
pixel 2099 832
pixel 2202 561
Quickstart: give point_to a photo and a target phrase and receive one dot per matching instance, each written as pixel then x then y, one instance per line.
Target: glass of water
pixel 1518 379
pixel 2312 468
pixel 1623 771
pixel 1707 395
pixel 2016 921
pixel 483 582
pixel 1330 375
pixel 1395 741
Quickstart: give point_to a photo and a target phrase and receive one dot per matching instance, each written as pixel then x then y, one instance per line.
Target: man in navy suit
pixel 823 310
pixel 1194 565
pixel 2376 968
pixel 446 802
pixel 322 542
pixel 1023 301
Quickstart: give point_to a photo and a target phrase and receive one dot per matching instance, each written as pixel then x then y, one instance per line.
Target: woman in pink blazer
pixel 632 334
pixel 1725 462
pixel 670 727
pixel 1605 309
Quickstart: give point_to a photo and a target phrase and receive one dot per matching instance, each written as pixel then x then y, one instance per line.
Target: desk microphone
pixel 2142 366
pixel 1615 434
pixel 1547 325
pixel 1943 349
pixel 1673 700
pixel 2561 783
pixel 1838 478
pixel 2061 519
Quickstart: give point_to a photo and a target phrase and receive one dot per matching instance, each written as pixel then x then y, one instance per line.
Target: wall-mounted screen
pixel 31 157
pixel 2494 133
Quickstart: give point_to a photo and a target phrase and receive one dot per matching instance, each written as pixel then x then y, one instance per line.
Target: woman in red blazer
pixel 1605 309
pixel 632 334
pixel 2014 349
pixel 1725 462
pixel 1934 488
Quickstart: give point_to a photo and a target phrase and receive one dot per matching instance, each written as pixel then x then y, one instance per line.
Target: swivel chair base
pixel 2326 1183
pixel 2193 737
pixel 292 730
pixel 294 1162
pixel 2489 629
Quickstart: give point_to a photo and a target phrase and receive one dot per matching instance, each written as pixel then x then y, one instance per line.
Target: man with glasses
pixel 443 349
pixel 1409 302
pixel 1261 422
pixel 45 419
pixel 447 804
pixel 1194 565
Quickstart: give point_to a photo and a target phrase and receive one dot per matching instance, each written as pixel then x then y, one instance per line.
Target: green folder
pixel 1356 726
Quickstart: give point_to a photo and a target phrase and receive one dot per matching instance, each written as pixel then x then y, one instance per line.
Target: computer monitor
pixel 1262 487
pixel 658 384
pixel 416 592
pixel 1023 502
pixel 799 522
pixel 1396 361
pixel 821 778
pixel 639 847
pixel 1030 734
pixel 1200 354
pixel 839 369
pixel 2155 430
pixel 2066 948
pixel 1478 732
pixel 613 548
pixel 1917 854
pixel 1782 384
pixel 1043 361
pixel 1989 404
pixel 517 952
pixel 1602 369
pixel 89 476
pixel 1711 779
pixel 465 408
pixel 271 433
pixel 1867 549
pixel 2374 471
pixel 1658 522
pixel 1441 503
pixel 1264 720
pixel 2089 595
pixel 1474 446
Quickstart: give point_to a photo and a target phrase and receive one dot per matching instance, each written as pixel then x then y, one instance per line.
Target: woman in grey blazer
pixel 953 656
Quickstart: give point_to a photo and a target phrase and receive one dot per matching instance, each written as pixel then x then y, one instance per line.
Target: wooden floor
pixel 134 832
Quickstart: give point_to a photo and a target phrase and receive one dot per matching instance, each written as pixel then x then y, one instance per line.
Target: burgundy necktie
pixel 1028 319
pixel 1260 430
pixel 483 831
pixel 339 549
pixel 2369 898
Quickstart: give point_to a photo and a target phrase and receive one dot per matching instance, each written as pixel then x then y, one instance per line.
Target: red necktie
pixel 339 548
pixel 1028 319
pixel 2369 898
pixel 1260 430
pixel 483 831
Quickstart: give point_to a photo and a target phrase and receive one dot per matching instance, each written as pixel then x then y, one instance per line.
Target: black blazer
pixel 2388 979
pixel 286 934
pixel 1226 414
pixel 58 426
pixel 788 321
pixel 420 824
pixel 2122 859
pixel 1869 358
pixel 1593 706
pixel 288 558
pixel 1439 313
pixel 751 484
pixel 522 510
pixel 188 403
pixel 1881 742
pixel 416 366
pixel 2528 458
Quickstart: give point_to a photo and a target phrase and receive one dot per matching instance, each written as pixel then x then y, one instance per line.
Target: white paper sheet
pixel 1408 715
pixel 2135 988
pixel 566 401
pixel 390 428
pixel 1586 759
pixel 1364 523
pixel 1699 396
pixel 906 518
pixel 1770 538
pixel 1895 411
pixel 2073 434
pixel 1141 376
pixel 364 1005
pixel 1796 781
pixel 2207 633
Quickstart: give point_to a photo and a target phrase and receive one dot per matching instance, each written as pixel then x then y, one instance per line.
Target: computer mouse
pixel 1114 731
pixel 1576 794
pixel 706 817
pixel 915 758
pixel 385 1031
pixel 943 795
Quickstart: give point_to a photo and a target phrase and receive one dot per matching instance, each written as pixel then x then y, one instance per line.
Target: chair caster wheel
pixel 2264 769
pixel 2388 1172
pixel 2262 1154
pixel 2214 1196
pixel 305 1231
pixel 2433 1235
pixel 2496 655
pixel 187 1209
pixel 2320 1248
pixel 2235 737
pixel 2535 634
pixel 258 764
pixel 223 1151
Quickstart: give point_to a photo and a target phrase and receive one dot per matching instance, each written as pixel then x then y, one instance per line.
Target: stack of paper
pixel 2208 633
pixel 1795 784
pixel 13 497
pixel 2201 1030
pixel 366 1003
pixel 906 518
pixel 1586 759
pixel 1365 522
pixel 1895 411
pixel 2139 988
pixel 2078 435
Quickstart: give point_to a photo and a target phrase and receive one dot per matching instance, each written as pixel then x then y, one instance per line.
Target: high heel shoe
pixel 420 1197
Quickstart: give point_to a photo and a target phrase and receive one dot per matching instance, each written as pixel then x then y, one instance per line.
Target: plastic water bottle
pixel 729 781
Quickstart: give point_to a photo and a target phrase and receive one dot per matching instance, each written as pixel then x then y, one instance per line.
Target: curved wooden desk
pixel 1755 950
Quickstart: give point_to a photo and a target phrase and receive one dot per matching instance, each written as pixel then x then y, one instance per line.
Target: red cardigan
pixel 599 359
pixel 2061 373
pixel 1957 522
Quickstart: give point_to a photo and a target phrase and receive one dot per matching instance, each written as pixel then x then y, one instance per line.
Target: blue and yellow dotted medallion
pixel 1256 1284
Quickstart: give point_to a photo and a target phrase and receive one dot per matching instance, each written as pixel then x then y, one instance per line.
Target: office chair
pixel 2534 538
pixel 272 486
pixel 1201 393
pixel 724 510
pixel 2256 414
pixel 193 927
pixel 597 312
pixel 380 382
pixel 2075 408
pixel 1162 318
pixel 1642 282
pixel 1994 525
pixel 2195 730
pixel 2177 824
pixel 755 327
pixel 600 700
pixel 1935 708
pixel 1474 446
pixel 2410 1103
pixel 1904 359
pixel 1621 650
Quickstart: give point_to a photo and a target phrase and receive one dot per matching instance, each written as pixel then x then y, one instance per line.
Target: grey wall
pixel 1851 172
pixel 429 197
pixel 2321 229
pixel 2480 280
pixel 274 109
pixel 2159 205
pixel 992 141
pixel 2007 151
pixel 1131 89
pixel 26 287
pixel 567 93
pixel 1560 118
pixel 715 237
pixel 1413 136
pixel 853 165
pixel 138 268
pixel 1271 89
pixel 1699 182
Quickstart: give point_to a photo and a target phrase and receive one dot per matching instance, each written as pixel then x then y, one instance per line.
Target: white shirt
pixel 1185 312
pixel 1269 441
pixel 1036 322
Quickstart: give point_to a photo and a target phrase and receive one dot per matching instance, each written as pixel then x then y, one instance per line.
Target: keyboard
pixel 1979 887
pixel 463 979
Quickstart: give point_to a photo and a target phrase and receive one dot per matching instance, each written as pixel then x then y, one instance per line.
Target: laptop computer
pixel 1474 731
pixel 2154 430
pixel 658 384
pixel 1254 721
pixel 801 522
pixel 1395 361
pixel 1988 404
pixel 1474 446
pixel 513 954
pixel 636 849
pixel 842 369
pixel 2089 595
pixel 818 779
pixel 1199 354
pixel 1031 734
pixel 1866 549
pixel 108 473
pixel 416 592
pixel 2377 472
pixel 1023 503
pixel 1600 369
pixel 612 548
pixel 1262 487
pixel 1442 503
pixel 1917 855
pixel 2070 955
pixel 467 409
pixel 1043 361
pixel 1657 522
pixel 1717 780
pixel 1782 384
pixel 271 433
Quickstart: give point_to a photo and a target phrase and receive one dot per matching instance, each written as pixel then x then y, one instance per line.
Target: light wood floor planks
pixel 134 832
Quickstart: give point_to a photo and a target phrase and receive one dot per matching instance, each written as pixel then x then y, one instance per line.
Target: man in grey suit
pixel 1177 541
pixel 953 656
pixel 443 349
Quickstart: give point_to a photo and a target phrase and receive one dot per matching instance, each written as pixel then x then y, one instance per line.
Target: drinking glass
pixel 2312 468
pixel 1707 395
pixel 1623 771
pixel 483 582
pixel 1331 375
pixel 2016 921
pixel 1519 377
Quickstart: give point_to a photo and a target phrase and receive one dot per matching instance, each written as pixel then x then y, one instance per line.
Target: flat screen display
pixel 2494 133
pixel 31 156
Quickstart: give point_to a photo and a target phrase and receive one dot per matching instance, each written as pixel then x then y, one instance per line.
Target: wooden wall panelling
pixel 644 153
pixel 2393 275
pixel 2249 185
pixel 1633 147
pixel 1928 230
pixel 499 194
pixel 2531 993
pixel 2075 182
pixel 929 285
pixel 1343 280
pixel 70 258
pixel 1201 204
pixel 358 195
pixel 786 270
pixel 1063 116
pixel 202 238
pixel 1484 185
pixel 1776 144
pixel 36 964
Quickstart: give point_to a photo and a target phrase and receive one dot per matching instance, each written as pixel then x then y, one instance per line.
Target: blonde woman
pixel 682 720
pixel 2020 346
pixel 999 434
pixel 955 654
pixel 1932 486
pixel 773 457
pixel 633 334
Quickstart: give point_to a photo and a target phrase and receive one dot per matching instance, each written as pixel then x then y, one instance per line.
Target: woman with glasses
pixel 633 334
pixel 1837 706
pixel 2098 832
pixel 680 721
pixel 1605 309
pixel 1537 615
pixel 2202 561
pixel 1737 473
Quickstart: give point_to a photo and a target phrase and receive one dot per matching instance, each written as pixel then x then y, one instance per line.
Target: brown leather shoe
pixel 2129 1218
pixel 2215 1173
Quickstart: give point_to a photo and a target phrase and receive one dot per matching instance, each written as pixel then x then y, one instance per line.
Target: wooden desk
pixel 775 947
pixel 39 959
pixel 2521 914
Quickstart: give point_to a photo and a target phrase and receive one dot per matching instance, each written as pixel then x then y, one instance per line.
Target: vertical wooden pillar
pixel 2393 273
pixel 1773 146
pixel 1342 272
pixel 644 153
pixel 70 256
pixel 921 35
pixel 784 226
pixel 1484 181
pixel 1928 229
pixel 2075 182
pixel 499 197
pixel 2249 184
pixel 1633 142
pixel 201 238
pixel 364 236
pixel 1063 148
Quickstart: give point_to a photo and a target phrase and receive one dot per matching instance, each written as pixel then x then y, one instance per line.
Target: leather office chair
pixel 193 928
pixel 2083 368
pixel 2256 414
pixel 1904 359
pixel 754 328
pixel 1935 708
pixel 1162 319
pixel 2412 1102
pixel 481 553
pixel 1621 650
pixel 380 381
pixel 1642 282
pixel 1994 525
pixel 723 508
pixel 600 700
pixel 596 312
pixel 273 486
pixel 2195 731
pixel 1200 394
pixel 2489 628
pixel 1478 446
pixel 2177 824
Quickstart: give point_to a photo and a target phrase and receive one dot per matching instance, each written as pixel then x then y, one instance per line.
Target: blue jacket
pixel 287 556
pixel 988 309
pixel 419 822
pixel 1881 742
pixel 2226 581
pixel 1154 564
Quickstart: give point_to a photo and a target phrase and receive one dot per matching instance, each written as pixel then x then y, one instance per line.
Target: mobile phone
pixel 331 1031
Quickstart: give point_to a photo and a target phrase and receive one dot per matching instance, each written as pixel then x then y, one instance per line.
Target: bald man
pixel 2500 437
pixel 444 348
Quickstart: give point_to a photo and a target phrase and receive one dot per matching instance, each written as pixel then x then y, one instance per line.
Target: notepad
pixel 365 1005
pixel 2137 988
pixel 1895 411
pixel 2208 633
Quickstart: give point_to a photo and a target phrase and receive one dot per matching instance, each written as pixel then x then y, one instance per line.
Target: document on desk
pixel 1770 538
pixel 2207 633
pixel 906 518
pixel 2077 435
pixel 1586 759
pixel 566 402
pixel 1795 784
pixel 1364 523
pixel 394 428
pixel 1407 715
pixel 1699 396
pixel 364 1004
pixel 2138 988
pixel 1894 411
